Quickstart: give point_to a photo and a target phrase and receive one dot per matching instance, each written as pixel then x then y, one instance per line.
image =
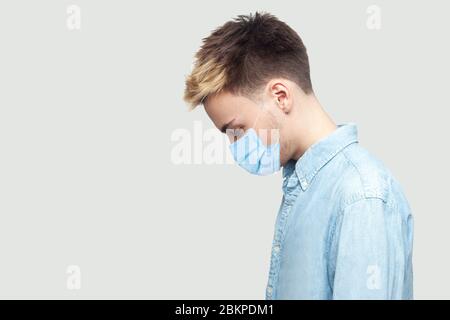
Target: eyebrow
pixel 226 125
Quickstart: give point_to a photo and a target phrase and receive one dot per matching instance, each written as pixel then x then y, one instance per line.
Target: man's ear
pixel 279 90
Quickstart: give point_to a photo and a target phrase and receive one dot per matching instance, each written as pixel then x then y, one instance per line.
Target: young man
pixel 344 229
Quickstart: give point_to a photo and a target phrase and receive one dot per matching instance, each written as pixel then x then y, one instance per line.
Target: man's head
pixel 249 64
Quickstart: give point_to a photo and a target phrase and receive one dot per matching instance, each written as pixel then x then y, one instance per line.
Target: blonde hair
pixel 207 77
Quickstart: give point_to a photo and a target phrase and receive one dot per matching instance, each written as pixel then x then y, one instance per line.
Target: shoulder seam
pixel 364 191
pixel 356 168
pixel 345 206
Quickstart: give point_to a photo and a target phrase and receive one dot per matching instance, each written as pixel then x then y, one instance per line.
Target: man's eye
pixel 234 133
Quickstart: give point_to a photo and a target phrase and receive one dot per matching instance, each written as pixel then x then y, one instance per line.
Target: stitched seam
pixel 341 212
pixel 362 183
pixel 330 239
pixel 356 168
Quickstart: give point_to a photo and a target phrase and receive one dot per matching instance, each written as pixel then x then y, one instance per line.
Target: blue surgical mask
pixel 253 155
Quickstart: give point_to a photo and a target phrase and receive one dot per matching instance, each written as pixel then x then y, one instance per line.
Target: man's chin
pixel 283 163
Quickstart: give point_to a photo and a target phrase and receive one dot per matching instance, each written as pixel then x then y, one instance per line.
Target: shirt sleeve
pixel 367 253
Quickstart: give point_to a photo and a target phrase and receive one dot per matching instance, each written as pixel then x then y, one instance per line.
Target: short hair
pixel 243 54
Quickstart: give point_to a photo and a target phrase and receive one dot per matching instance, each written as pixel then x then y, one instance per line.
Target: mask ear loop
pixel 256 119
pixel 276 120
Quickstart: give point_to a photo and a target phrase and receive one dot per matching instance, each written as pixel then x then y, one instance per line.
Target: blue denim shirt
pixel 344 229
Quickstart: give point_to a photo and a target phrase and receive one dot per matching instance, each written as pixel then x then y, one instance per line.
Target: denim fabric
pixel 344 229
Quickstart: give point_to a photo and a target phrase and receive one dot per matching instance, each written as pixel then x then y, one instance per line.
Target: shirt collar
pixel 319 153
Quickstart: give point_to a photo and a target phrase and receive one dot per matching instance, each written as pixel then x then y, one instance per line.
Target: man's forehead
pixel 218 105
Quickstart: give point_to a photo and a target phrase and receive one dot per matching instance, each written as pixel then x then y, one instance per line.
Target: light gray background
pixel 86 119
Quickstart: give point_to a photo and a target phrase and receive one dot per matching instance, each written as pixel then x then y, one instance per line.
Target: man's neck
pixel 312 124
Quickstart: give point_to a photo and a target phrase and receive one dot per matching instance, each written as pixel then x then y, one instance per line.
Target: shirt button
pixel 304 183
pixel 269 290
pixel 276 248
